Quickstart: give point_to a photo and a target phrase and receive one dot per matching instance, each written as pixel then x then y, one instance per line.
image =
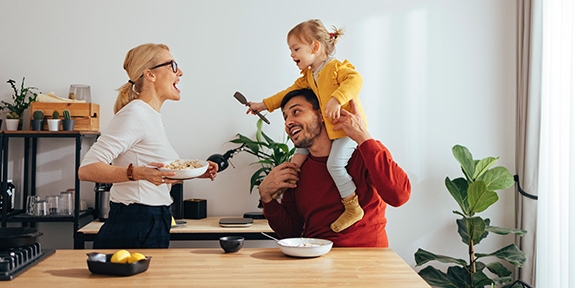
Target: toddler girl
pixel 335 83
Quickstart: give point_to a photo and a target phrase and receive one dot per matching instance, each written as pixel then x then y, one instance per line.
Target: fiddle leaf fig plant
pixel 269 152
pixel 474 193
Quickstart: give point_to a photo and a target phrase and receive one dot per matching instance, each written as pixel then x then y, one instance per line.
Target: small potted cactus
pixel 54 123
pixel 38 120
pixel 67 122
pixel 12 121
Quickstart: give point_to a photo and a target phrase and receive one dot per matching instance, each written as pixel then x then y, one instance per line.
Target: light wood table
pixel 194 229
pixel 250 267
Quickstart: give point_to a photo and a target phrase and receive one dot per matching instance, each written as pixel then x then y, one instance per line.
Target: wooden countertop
pixel 211 267
pixel 205 225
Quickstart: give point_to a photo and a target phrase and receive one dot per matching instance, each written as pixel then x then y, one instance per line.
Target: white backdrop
pixel 436 73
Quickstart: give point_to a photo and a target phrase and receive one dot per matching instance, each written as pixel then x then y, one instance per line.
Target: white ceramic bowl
pixel 305 247
pixel 186 173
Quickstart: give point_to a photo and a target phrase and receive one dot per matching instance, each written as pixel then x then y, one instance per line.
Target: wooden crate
pixel 87 115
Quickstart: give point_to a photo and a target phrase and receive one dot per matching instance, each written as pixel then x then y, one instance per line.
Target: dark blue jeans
pixel 135 226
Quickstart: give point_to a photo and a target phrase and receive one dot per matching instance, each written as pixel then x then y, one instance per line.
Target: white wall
pixel 437 73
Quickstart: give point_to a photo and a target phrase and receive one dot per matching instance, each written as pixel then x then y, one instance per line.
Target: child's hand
pixel 332 109
pixel 255 107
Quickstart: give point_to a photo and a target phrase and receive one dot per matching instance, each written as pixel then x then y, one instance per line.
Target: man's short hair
pixel 305 93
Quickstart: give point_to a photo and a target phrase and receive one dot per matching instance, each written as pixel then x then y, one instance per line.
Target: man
pixel 309 206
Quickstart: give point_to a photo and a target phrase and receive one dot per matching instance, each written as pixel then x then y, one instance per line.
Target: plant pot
pixel 53 124
pixel 37 124
pixel 68 124
pixel 12 124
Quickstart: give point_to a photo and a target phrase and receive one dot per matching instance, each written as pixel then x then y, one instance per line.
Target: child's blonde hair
pixel 313 30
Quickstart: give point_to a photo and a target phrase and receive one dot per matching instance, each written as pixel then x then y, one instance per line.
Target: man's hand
pixel 278 178
pixel 352 124
pixel 211 172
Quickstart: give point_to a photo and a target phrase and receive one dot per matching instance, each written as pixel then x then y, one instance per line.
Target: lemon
pixel 121 256
pixel 135 257
pixel 173 221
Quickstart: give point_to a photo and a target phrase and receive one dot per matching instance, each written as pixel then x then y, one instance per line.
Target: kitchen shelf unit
pixel 79 218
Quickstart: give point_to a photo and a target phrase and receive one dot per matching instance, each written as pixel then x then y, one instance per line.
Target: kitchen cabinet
pixel 78 218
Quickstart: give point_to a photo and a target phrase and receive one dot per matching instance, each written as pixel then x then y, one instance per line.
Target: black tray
pixel 99 263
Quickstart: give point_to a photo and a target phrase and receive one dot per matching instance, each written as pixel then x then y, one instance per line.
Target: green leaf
pixel 471 228
pixel 506 279
pixel 269 140
pixel 509 253
pixel 480 279
pixel 459 275
pixel 479 197
pixel 437 278
pixel 259 130
pixel 458 190
pixel 422 257
pixel 498 269
pixel 258 177
pixel 505 231
pixel 483 165
pixel 465 159
pixel 497 178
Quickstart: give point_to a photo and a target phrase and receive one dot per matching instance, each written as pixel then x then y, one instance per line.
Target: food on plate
pixel 306 245
pixel 121 256
pixel 184 164
pixel 185 168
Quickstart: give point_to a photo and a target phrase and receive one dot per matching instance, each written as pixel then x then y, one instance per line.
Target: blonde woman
pixel 134 140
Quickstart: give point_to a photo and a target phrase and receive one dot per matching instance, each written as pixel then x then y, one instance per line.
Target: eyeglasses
pixel 171 62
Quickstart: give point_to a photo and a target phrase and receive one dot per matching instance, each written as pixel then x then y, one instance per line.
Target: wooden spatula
pixel 244 101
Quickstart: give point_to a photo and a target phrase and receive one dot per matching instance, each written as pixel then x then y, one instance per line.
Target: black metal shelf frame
pixel 29 176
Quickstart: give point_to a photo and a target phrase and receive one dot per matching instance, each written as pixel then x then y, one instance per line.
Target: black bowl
pixel 99 263
pixel 231 244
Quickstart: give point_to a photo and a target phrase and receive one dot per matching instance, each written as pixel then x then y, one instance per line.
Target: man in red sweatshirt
pixel 308 207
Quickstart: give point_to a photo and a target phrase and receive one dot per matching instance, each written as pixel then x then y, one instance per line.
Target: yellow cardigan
pixel 337 79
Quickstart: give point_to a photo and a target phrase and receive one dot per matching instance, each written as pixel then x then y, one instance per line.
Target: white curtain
pixel 556 210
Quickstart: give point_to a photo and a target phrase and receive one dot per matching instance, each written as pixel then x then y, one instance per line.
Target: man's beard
pixel 311 132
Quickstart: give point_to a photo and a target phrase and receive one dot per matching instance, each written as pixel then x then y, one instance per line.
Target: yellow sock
pixel 353 213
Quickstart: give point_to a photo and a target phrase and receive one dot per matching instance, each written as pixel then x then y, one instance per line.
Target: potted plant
pixel 54 123
pixel 21 100
pixel 38 119
pixel 12 121
pixel 474 193
pixel 67 122
pixel 269 153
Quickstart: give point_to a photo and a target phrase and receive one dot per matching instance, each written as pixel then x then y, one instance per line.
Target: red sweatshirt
pixel 309 209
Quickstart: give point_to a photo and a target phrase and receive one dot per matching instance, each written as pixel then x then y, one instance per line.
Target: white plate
pixel 185 174
pixel 305 247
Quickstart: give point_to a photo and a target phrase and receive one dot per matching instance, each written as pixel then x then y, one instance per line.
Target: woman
pixel 134 141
